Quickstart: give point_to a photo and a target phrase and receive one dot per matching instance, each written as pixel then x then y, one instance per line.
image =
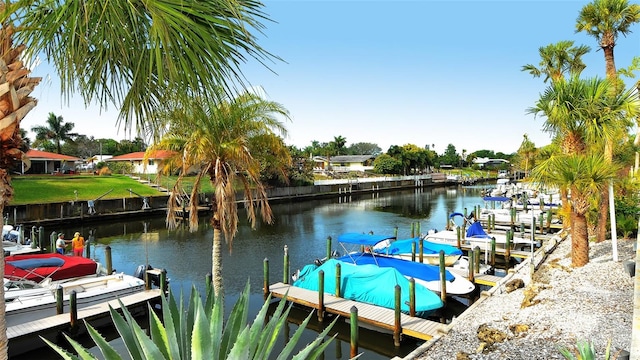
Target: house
pixel 343 163
pixel 151 166
pixel 44 162
pixel 487 163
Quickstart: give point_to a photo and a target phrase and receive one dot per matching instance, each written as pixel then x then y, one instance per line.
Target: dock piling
pixel 443 279
pixel 354 332
pixel 397 330
pixel 321 296
pixel 73 310
pixel 107 255
pixel 265 278
pixel 285 272
pixel 338 275
pixel 412 297
pixel 59 300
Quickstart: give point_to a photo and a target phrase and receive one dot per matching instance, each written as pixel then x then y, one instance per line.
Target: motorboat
pixel 376 246
pixel 408 248
pixel 369 284
pixel 475 235
pixel 31 283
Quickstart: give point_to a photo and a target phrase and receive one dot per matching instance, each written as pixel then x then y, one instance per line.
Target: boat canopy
pixel 363 239
pixel 408 268
pixel 405 247
pixel 475 230
pixel 496 198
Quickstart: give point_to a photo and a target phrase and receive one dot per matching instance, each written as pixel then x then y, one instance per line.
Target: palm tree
pixel 130 55
pixel 527 152
pixel 218 140
pixel 558 60
pixel 605 20
pixel 56 130
pixel 338 144
pixel 585 175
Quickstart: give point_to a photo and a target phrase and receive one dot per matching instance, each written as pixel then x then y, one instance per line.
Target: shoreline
pixel 592 303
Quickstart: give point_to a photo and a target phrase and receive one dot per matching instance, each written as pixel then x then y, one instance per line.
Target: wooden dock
pixel 377 316
pixel 25 337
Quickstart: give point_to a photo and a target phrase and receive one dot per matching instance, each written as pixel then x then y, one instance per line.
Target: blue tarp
pixel 416 270
pixel 36 263
pixel 363 239
pixel 475 230
pixel 368 284
pixel 496 198
pixel 405 247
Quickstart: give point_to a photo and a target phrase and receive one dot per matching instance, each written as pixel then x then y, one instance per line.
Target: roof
pixel 154 155
pixel 45 155
pixel 346 158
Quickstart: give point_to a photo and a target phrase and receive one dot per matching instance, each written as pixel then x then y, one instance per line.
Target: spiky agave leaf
pixel 216 319
pixel 64 354
pixel 105 348
pixel 144 343
pixel 312 350
pixel 160 336
pixel 201 347
pixel 236 321
pixel 126 334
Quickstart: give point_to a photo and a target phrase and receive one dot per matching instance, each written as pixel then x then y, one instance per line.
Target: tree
pixel 605 20
pixel 386 164
pixel 558 60
pixel 132 55
pixel 218 140
pixel 364 148
pixel 338 144
pixel 585 175
pixel 56 130
pixel 450 156
pixel 527 152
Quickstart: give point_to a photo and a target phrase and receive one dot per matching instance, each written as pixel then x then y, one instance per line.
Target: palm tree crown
pixel 56 130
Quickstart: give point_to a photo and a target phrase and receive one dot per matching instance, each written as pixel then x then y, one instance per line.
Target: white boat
pixel 31 283
pixel 474 235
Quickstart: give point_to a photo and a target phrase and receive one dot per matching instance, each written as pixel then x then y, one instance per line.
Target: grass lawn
pixel 37 189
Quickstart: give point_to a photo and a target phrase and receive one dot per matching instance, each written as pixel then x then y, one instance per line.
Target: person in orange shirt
pixel 77 243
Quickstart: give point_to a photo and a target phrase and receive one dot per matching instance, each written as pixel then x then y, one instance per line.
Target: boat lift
pixel 145 200
pixel 91 203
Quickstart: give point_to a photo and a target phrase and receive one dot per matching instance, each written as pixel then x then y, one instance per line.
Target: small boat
pixel 31 283
pixel 475 235
pixel 368 284
pixel 404 249
pixel 427 274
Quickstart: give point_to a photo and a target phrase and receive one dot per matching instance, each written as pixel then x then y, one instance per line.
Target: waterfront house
pixel 343 163
pixel 140 166
pixel 44 162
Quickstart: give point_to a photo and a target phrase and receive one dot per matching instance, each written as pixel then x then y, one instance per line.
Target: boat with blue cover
pixel 427 274
pixel 404 249
pixel 369 284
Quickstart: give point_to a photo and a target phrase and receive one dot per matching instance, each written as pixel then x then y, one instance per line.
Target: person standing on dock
pixel 61 244
pixel 77 243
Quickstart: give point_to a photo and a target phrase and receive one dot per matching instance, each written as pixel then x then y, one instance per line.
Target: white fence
pixel 371 179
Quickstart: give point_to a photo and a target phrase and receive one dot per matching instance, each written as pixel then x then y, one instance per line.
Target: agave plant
pixel 584 350
pixel 197 331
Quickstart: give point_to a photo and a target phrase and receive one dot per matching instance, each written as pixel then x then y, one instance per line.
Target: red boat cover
pixel 37 267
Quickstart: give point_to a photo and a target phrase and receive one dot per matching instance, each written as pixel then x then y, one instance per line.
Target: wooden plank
pixel 384 318
pixel 85 313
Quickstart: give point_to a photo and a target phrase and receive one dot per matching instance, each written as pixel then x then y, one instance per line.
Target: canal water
pixel 301 226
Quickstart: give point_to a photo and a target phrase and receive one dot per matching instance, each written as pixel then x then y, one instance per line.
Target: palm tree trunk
pixel 579 240
pixel 4 341
pixel 216 261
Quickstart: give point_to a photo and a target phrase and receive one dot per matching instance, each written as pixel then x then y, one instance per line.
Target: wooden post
pixel 321 295
pixel 34 241
pixel 107 255
pixel 493 252
pixel 397 330
pixel 413 251
pixel 443 279
pixel 476 257
pixel 512 212
pixel 59 300
pixel 448 227
pixel 548 221
pixel 412 297
pixel 338 275
pixel 541 223
pixel 163 281
pixel 418 228
pixel 87 248
pixel 265 278
pixel 73 310
pixel 459 237
pixel 421 254
pixel 413 231
pixel 471 266
pixel 354 332
pixel 507 248
pixel 329 247
pixel 52 241
pixel 41 237
pixel 285 275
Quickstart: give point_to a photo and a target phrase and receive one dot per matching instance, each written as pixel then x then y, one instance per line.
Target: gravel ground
pixel 593 303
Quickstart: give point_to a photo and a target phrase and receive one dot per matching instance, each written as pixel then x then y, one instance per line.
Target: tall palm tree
pixel 527 152
pixel 585 175
pixel 605 20
pixel 559 60
pixel 128 54
pixel 218 141
pixel 56 130
pixel 338 144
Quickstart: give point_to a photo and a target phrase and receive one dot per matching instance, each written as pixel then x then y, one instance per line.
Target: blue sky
pixel 395 72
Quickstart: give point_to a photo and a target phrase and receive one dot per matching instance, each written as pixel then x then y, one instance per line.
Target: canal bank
pixel 134 206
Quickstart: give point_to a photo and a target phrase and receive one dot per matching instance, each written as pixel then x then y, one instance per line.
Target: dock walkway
pixel 384 318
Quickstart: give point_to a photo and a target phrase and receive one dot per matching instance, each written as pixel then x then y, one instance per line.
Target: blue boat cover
pixel 37 263
pixel 496 198
pixel 363 239
pixel 405 247
pixel 416 270
pixel 368 284
pixel 475 230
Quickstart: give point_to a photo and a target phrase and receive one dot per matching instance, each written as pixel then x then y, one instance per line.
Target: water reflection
pixel 303 226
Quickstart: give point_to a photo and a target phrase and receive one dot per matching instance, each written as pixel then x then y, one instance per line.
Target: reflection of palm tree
pixel 220 141
pixel 182 48
pixel 56 130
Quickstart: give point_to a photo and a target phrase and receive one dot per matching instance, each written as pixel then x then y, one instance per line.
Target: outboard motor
pixel 140 271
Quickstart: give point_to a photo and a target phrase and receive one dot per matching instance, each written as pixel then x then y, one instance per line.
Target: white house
pixel 153 163
pixel 344 163
pixel 486 162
